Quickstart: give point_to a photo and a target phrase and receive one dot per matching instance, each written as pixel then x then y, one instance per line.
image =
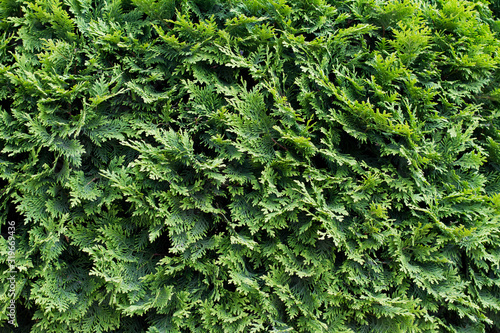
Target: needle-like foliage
pixel 251 165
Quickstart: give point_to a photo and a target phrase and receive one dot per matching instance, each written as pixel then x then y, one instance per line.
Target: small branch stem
pixel 281 146
pixel 91 180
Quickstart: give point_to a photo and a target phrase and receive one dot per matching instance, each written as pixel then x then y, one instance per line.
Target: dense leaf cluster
pixel 251 165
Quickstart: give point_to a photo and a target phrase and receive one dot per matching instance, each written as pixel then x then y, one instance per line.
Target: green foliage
pixel 251 165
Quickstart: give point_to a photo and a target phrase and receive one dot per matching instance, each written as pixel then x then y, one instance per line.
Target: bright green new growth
pixel 251 165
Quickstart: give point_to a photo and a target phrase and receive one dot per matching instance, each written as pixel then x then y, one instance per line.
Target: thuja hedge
pixel 250 165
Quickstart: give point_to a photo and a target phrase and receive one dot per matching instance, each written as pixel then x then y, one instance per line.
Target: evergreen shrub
pixel 251 165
